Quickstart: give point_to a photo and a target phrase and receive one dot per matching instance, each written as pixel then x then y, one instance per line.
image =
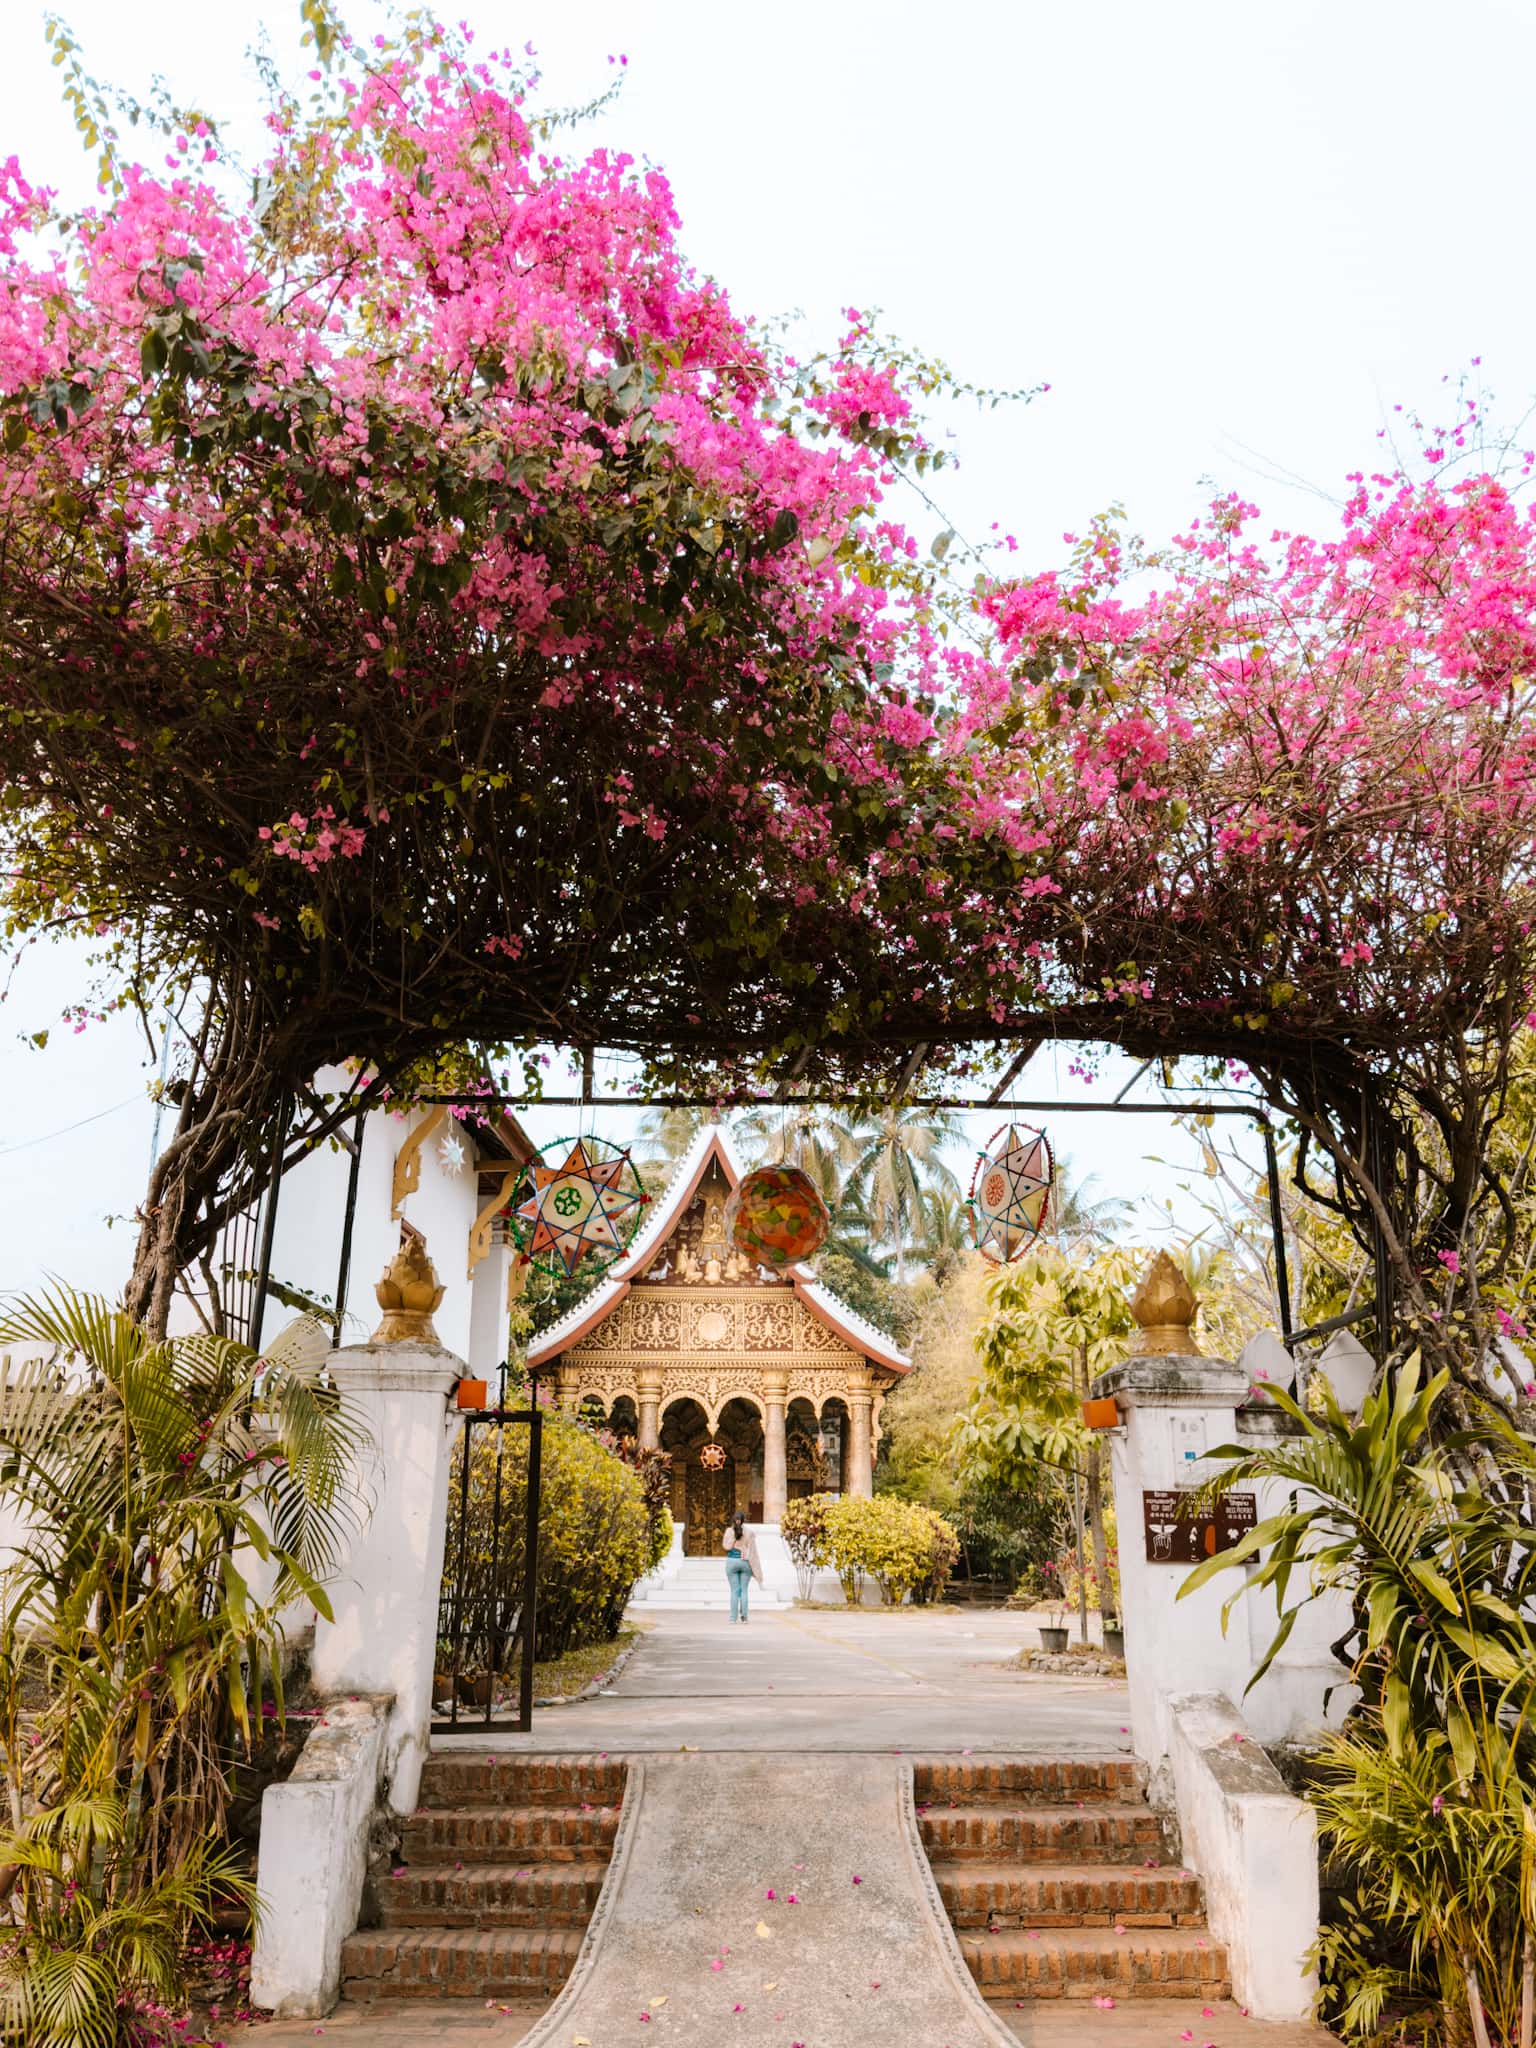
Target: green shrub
pixel 896 1544
pixel 595 1541
pixel 943 1556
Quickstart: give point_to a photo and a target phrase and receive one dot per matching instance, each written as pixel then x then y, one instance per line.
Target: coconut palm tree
pixel 815 1139
pixel 666 1134
pixel 900 1158
pixel 1078 1215
pixel 947 1230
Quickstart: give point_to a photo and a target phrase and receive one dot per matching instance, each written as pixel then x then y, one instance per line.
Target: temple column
pixel 861 1460
pixel 648 1409
pixel 775 1471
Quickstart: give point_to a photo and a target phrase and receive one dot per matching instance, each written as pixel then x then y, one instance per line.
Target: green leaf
pixel 1396 1713
pixel 1435 1582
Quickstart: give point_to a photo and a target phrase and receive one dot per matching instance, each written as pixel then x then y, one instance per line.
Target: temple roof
pixel 713 1145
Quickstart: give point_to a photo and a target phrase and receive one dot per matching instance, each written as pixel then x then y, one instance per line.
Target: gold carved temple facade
pixel 690 1347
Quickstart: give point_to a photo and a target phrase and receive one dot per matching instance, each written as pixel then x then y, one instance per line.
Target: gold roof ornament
pixel 1165 1305
pixel 408 1290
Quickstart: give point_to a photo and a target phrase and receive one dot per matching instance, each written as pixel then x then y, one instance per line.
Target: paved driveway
pixel 915 1679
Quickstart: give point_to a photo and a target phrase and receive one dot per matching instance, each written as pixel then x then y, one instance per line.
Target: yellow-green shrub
pixel 594 1540
pixel 898 1545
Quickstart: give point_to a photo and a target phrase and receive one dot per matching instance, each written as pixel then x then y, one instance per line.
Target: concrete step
pixel 486 1834
pixel 471 1777
pixel 1039 1781
pixel 1042 1834
pixel 1008 1895
pixel 491 1895
pixel 434 1962
pixel 1090 1962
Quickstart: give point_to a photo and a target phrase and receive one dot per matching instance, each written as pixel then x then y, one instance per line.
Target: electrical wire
pixel 48 1137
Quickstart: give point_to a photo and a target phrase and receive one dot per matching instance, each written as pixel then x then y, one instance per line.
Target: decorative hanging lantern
pixel 1010 1193
pixel 712 1457
pixel 776 1217
pixel 579 1200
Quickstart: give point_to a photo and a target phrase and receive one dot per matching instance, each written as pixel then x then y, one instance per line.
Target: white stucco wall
pixel 1174 1413
pixel 385 1603
pixel 313 1860
pixel 1254 1847
pixel 306 1245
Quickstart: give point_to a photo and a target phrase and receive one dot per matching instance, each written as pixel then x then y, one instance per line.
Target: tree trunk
pixel 1107 1604
pixel 1094 1507
pixel 218 1161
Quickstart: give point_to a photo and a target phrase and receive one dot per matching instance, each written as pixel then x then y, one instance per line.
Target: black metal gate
pixel 487 1612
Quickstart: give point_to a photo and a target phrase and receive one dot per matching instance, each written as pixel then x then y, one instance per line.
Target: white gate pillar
pixel 1174 1406
pixel 383 1637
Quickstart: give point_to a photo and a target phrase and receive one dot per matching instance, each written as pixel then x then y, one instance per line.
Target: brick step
pixel 491 1895
pixel 1086 1962
pixel 460 1778
pixel 459 1962
pixel 1009 1895
pixel 482 1834
pixel 1039 1781
pixel 1042 1834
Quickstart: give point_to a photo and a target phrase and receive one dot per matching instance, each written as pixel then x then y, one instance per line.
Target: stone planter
pixel 1114 1642
pixel 1054 1640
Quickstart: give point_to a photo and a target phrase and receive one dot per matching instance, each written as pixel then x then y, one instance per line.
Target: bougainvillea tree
pixel 1289 799
pixel 428 614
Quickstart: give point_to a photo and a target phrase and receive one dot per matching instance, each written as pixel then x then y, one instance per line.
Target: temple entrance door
pixel 709 1503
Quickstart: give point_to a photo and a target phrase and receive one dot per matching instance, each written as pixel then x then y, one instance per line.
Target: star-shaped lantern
pixel 583 1204
pixel 1010 1191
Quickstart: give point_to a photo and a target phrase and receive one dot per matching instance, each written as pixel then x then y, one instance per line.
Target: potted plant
pixel 1053 1634
pixel 1114 1639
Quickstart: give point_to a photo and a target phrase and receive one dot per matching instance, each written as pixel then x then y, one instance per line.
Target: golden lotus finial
pixel 408 1290
pixel 1165 1306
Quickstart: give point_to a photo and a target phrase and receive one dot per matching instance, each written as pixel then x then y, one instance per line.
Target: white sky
pixel 1229 235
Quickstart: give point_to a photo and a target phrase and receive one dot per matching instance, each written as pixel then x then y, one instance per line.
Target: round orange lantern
pixel 776 1217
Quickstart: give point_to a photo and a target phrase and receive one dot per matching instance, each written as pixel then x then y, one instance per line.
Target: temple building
pixel 762 1385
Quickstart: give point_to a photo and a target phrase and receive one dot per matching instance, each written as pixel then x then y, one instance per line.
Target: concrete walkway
pixel 769 1900
pixel 912 1679
pixel 819 1701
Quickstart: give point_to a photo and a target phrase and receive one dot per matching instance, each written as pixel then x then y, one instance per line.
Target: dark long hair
pixel 736 1522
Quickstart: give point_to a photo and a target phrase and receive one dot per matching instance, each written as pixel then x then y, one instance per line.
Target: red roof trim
pixel 891 1360
pixel 538 1357
pixel 676 1200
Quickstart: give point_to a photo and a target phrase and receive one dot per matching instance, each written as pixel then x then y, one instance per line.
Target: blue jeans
pixel 739 1572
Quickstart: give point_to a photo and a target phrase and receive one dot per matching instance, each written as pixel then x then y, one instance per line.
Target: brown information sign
pixel 1175 1536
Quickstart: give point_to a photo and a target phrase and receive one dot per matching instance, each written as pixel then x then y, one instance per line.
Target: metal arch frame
pixel 1052 1105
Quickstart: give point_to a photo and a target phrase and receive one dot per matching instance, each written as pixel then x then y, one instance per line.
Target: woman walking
pixel 742 1564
